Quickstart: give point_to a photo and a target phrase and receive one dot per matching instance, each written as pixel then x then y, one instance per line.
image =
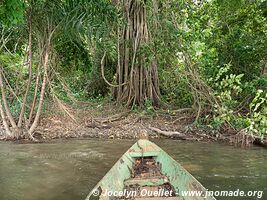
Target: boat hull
pixel 116 183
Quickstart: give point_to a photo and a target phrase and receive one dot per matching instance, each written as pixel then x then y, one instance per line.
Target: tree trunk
pixel 7 110
pixel 35 94
pixel 29 70
pixel 3 116
pixel 39 109
pixel 137 75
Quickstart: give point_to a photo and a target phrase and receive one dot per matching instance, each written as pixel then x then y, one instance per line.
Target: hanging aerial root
pixel 103 73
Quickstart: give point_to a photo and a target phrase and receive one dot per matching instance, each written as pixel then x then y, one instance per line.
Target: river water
pixel 67 170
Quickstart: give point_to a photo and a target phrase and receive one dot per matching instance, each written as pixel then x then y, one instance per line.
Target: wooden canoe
pixel 146 172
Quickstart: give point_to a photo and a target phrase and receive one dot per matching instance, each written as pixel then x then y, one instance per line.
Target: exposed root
pixel 32 138
pixel 244 139
pixel 181 118
pixel 175 112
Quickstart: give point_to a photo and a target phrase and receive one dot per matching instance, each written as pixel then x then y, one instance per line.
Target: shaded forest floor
pixel 108 121
pixel 105 120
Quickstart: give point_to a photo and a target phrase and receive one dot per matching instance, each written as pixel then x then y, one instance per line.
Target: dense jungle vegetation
pixel 206 55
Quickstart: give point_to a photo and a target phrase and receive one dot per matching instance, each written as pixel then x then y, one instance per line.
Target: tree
pixel 47 21
pixel 137 73
pixel 43 21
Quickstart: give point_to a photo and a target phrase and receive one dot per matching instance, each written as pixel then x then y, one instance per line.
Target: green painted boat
pixel 146 172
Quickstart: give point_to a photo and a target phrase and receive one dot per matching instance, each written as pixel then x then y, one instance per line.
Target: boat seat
pixel 149 181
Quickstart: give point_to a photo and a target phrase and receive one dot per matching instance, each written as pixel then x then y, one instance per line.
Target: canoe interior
pixel 147 166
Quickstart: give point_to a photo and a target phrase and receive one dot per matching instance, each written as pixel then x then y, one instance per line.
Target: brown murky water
pixel 69 169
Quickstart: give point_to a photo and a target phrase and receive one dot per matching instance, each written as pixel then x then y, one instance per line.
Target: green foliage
pixel 258 116
pixel 240 36
pixel 173 83
pixel 146 110
pixel 148 107
pixel 227 87
pixel 16 74
pixel 226 43
pixel 11 12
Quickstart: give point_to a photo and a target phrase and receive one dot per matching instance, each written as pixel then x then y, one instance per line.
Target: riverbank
pixel 89 120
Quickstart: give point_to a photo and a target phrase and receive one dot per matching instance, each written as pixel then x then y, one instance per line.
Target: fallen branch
pixel 113 118
pixel 95 124
pixel 175 112
pixel 168 133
